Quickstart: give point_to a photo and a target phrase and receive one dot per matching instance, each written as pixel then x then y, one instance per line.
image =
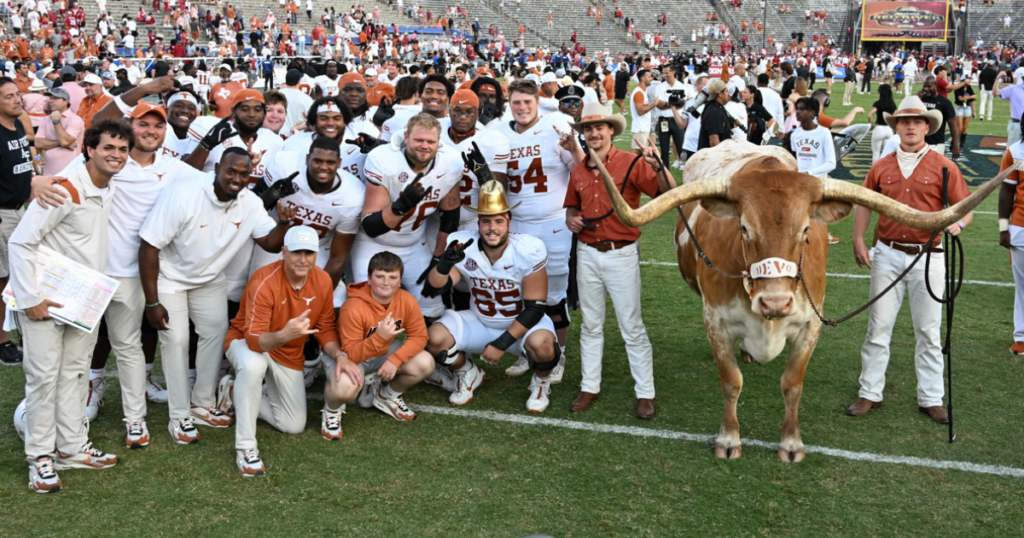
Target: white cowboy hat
pixel 913 107
pixel 597 113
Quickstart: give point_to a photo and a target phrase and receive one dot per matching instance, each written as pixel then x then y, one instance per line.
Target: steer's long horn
pixel 921 220
pixel 715 187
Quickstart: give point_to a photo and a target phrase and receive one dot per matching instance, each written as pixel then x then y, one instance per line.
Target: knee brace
pixel 559 314
pixel 446 357
pixel 543 366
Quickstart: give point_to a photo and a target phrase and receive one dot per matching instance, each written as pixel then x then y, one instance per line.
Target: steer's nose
pixel 776 305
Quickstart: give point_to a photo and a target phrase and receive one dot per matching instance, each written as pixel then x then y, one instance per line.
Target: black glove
pixel 220 132
pixel 455 253
pixel 475 162
pixel 385 111
pixel 426 273
pixel 366 143
pixel 488 112
pixel 280 189
pixel 411 197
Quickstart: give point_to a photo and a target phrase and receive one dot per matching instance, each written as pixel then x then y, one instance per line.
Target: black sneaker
pixel 9 354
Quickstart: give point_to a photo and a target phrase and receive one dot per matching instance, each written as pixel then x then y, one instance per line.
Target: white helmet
pixel 21 420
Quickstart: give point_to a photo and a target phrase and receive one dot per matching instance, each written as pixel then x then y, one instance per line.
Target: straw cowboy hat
pixel 597 113
pixel 913 107
pixel 492 200
pixel 37 86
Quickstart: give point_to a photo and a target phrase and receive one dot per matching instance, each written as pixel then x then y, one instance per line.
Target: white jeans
pixel 124 329
pixel 1012 133
pixel 207 306
pixel 615 273
pixel 284 405
pixel 56 386
pixel 908 85
pixel 886 264
pixel 985 108
pixel 1017 262
pixel 879 136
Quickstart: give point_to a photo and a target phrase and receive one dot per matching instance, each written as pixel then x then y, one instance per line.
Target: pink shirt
pixel 57 159
pixel 76 92
pixel 35 106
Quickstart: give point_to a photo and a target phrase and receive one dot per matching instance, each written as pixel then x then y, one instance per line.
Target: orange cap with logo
pixel 145 107
pixel 349 78
pixel 247 95
pixel 465 97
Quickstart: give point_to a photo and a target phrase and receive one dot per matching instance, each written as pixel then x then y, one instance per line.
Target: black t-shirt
pixel 943 105
pixel 161 69
pixel 962 92
pixel 714 121
pixel 15 166
pixel 987 78
pixel 761 111
pixel 787 87
pixel 879 108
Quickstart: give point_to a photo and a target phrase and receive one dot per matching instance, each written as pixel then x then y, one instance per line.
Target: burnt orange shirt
pixel 586 192
pixel 358 319
pixel 1016 151
pixel 90 106
pixel 921 191
pixel 223 95
pixel 22 48
pixel 22 84
pixel 825 121
pixel 382 89
pixel 270 302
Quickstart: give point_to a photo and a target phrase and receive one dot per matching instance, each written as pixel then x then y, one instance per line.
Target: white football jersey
pixel 497 289
pixel 177 147
pixel 538 168
pixel 352 158
pixel 328 87
pixel 495 148
pixel 386 166
pixel 266 140
pixel 399 120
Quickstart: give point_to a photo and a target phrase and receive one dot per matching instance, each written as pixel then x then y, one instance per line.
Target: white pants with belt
pixel 207 306
pixel 284 405
pixel 908 85
pixel 879 136
pixel 1017 262
pixel 56 368
pixel 886 264
pixel 124 329
pixel 985 108
pixel 614 273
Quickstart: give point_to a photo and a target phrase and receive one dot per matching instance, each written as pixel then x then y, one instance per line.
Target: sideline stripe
pixel 848 275
pixel 980 468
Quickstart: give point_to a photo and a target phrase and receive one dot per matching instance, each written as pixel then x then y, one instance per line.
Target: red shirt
pixel 940 86
pixel 587 193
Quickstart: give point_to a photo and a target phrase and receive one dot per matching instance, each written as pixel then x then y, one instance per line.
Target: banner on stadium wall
pixel 716 71
pixel 905 21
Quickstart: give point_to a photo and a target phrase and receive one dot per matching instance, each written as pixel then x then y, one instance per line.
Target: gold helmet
pixel 492 200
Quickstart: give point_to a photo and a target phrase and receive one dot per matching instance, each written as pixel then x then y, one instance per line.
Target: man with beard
pixel 222 94
pixel 182 109
pixel 570 103
pixel 195 230
pixel 434 93
pixel 407 181
pixel 353 93
pixel 328 200
pixel 326 85
pixel 543 153
pixel 933 101
pixel 507 276
pixel 56 354
pixel 329 117
pixel 492 101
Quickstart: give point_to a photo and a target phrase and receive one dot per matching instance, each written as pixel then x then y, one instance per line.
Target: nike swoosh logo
pixel 203 225
pixel 556 231
pixel 462 102
pixel 334 204
pixel 535 133
pixel 351 151
pixel 507 267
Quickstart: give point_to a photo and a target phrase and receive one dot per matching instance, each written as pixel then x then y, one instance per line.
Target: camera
pixel 676 98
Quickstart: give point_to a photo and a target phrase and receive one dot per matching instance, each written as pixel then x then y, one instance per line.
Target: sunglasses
pixel 571 102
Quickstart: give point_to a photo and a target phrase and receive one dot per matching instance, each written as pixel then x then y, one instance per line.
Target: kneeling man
pixel 509 286
pixel 284 302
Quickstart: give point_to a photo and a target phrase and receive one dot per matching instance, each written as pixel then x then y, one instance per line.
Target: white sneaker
pixel 138 433
pixel 310 370
pixel 88 458
pixel 558 371
pixel 183 431
pixel 832 240
pixel 42 477
pixel 205 416
pixel 371 384
pixel 442 377
pixel 519 368
pixel 249 463
pixel 97 391
pixel 393 407
pixel 539 390
pixel 330 423
pixel 154 392
pixel 225 395
pixel 466 382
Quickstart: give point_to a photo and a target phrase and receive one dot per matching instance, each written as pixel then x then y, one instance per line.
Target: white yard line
pixel 848 275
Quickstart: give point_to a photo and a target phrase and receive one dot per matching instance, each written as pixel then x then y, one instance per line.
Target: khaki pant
pixel 207 306
pixel 56 368
pixel 9 219
pixel 284 404
pixel 124 329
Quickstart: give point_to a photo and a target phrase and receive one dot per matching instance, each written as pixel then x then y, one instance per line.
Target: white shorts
pixel 472 336
pixel 558 242
pixel 416 259
pixel 964 112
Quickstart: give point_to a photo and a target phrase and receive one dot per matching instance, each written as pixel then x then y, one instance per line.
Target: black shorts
pixel 620 95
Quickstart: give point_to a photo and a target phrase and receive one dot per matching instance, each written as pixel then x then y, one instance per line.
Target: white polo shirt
pixel 198 235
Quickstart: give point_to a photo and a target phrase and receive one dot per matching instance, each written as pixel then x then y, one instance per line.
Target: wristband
pixel 961 224
pixel 153 305
pixel 122 106
pixel 504 341
pixel 1004 225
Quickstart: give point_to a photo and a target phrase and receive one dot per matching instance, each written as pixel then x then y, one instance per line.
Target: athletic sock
pixel 466 366
pixel 192 373
pixel 329 410
pixel 387 393
pixel 96 374
pixel 149 368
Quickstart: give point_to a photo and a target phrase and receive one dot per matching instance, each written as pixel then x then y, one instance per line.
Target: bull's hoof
pixel 745 357
pixel 791 452
pixel 728 452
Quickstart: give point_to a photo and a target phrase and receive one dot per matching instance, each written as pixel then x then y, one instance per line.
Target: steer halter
pixel 770 268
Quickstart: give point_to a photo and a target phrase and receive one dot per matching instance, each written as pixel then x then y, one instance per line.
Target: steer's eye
pixel 743 229
pixel 807 229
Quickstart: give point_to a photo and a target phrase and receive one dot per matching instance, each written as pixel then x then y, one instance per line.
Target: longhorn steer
pixel 752 212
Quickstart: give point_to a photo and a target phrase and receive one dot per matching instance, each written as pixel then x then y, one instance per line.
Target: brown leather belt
pixel 913 250
pixel 605 246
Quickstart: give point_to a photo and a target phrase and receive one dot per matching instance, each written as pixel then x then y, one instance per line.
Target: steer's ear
pixel 720 208
pixel 831 211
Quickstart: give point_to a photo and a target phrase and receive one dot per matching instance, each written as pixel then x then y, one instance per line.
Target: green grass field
pixel 468 476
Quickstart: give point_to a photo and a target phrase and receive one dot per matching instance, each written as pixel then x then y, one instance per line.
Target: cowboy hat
pixel 913 107
pixel 492 200
pixel 37 86
pixel 597 113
